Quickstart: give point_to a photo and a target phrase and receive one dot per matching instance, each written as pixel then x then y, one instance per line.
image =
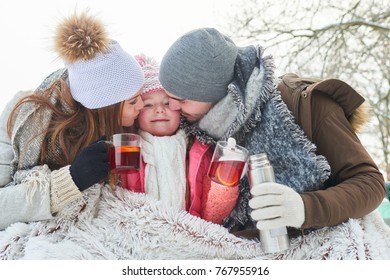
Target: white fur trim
pixel 127 225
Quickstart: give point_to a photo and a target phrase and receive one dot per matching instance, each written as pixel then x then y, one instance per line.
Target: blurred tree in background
pixel 347 40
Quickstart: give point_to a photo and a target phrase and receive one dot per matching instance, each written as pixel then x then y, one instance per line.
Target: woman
pixel 52 151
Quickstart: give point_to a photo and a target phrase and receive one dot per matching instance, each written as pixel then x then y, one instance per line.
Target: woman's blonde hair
pixel 71 127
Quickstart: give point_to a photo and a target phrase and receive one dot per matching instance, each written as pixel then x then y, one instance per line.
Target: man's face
pixel 193 111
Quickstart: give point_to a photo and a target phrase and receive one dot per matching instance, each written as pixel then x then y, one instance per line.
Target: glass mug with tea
pixel 125 152
pixel 124 155
pixel 228 163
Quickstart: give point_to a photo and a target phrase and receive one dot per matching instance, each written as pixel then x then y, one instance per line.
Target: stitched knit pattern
pixel 165 172
pixel 63 189
pixel 27 150
pixel 217 201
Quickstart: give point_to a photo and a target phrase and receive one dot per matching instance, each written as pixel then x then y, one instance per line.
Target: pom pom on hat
pixel 150 68
pixel 100 72
pixel 80 37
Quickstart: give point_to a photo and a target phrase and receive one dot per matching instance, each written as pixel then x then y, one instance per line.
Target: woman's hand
pixel 91 165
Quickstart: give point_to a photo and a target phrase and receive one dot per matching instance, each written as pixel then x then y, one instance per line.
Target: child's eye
pixel 148 105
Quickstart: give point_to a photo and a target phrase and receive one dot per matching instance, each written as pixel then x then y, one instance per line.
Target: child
pixel 166 161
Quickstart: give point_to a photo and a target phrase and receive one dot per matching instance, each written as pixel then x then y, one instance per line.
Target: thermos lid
pixel 258 160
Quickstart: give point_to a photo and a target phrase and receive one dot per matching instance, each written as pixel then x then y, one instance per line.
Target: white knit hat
pixel 100 72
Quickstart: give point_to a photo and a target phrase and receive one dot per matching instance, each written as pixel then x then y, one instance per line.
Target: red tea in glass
pixel 228 163
pixel 124 158
pixel 226 172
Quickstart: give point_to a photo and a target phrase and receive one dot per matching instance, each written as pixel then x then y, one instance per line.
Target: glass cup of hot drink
pixel 125 152
pixel 124 156
pixel 228 163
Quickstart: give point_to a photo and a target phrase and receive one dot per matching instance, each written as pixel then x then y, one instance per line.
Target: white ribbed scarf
pixel 165 171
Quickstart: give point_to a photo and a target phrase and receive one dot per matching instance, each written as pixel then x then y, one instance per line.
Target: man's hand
pixel 275 205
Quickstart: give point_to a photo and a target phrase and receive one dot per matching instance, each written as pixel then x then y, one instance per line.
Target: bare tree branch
pixel 349 40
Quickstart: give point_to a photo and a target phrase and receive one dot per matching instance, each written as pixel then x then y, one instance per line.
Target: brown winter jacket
pixel 356 187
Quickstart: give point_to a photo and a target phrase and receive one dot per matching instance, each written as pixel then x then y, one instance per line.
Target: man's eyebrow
pixel 176 98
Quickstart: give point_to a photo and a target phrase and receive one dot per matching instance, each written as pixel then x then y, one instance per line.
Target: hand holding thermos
pixel 275 205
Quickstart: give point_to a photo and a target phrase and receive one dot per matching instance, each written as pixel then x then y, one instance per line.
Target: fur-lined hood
pixel 355 108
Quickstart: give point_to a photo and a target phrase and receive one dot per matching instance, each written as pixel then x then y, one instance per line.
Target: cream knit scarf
pixel 165 171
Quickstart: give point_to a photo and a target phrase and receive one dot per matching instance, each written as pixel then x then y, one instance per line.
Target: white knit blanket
pixel 126 225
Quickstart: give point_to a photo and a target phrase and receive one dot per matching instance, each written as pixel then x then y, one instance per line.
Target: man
pixel 324 175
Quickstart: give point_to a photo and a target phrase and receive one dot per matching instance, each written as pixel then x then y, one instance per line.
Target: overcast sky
pixel 149 26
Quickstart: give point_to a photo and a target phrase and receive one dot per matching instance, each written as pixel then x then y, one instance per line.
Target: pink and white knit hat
pixel 151 71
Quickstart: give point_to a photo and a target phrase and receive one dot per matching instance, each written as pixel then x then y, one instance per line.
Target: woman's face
pixel 131 109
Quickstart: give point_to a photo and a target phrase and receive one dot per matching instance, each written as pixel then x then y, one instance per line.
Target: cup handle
pixel 112 178
pixel 109 143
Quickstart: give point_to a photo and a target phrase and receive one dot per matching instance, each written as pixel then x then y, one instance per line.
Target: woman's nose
pixel 140 104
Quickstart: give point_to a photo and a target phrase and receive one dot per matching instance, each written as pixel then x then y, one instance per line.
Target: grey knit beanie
pixel 199 65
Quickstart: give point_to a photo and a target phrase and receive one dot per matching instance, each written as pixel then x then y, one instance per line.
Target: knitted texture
pixel 63 189
pixel 101 73
pixel 199 65
pixel 150 69
pixel 107 79
pixel 24 125
pixel 165 170
pixel 217 201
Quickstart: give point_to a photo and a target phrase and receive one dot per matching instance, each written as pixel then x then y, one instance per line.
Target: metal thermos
pixel 260 170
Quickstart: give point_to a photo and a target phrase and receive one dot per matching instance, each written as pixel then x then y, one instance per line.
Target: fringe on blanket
pixel 125 225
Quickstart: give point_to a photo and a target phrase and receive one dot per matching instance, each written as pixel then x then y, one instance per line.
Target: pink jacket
pixel 207 199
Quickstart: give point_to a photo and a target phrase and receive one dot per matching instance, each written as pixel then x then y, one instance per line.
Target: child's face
pixel 156 117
